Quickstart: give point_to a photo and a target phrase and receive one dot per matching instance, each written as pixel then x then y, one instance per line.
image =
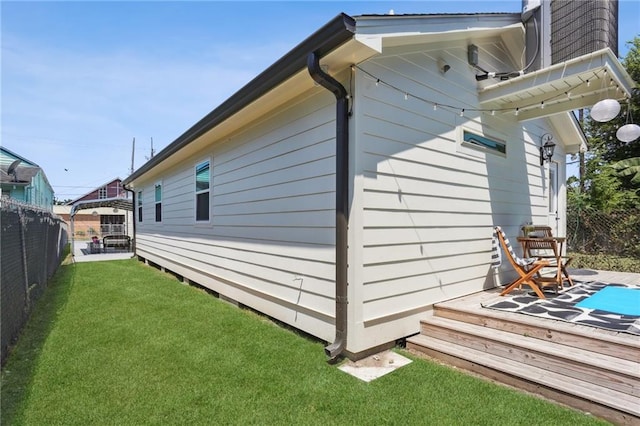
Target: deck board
pixel 588 368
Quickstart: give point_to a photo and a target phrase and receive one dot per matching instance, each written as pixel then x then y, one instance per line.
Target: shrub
pixel 605 262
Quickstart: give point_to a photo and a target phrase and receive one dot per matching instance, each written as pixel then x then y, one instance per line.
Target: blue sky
pixel 80 80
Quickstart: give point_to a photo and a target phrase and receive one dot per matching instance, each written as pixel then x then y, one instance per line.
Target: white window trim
pixel 477 150
pixel 155 202
pixel 195 193
pixel 140 206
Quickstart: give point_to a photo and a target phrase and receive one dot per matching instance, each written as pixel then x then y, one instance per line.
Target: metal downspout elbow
pixel 335 349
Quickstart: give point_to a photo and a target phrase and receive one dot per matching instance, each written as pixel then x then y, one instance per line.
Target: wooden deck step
pixel 624 346
pixel 615 406
pixel 612 373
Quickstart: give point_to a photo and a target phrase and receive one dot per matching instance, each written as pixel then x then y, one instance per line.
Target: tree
pixel 611 177
pixel 602 136
pixel 629 167
pixel 61 202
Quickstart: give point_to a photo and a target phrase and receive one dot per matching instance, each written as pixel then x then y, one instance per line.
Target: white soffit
pixel 567 86
pixel 568 132
pixel 387 40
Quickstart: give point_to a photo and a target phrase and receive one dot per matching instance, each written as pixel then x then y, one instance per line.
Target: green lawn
pixel 122 343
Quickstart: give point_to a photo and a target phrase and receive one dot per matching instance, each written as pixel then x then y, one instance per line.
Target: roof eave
pixel 335 33
pixel 569 132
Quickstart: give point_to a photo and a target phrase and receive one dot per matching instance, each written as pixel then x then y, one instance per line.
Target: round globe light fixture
pixel 605 110
pixel 628 133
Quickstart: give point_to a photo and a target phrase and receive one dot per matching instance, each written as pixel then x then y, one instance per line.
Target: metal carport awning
pixel 115 203
pixel 574 84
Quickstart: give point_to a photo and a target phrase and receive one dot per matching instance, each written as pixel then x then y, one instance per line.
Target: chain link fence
pixel 31 246
pixel 591 231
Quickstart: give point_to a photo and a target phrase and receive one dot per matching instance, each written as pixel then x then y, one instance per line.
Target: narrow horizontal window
pixel 483 143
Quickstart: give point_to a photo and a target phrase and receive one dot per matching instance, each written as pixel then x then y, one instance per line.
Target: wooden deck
pixel 590 369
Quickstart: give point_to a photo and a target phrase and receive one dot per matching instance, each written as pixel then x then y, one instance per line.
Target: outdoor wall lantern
pixel 546 150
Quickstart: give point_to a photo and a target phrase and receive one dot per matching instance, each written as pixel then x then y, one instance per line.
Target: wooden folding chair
pixel 526 268
pixel 549 250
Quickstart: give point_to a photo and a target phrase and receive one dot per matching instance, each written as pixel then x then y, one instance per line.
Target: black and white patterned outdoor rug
pixel 563 307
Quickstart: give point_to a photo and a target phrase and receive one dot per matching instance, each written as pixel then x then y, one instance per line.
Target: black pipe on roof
pixel 333 34
pixel 335 349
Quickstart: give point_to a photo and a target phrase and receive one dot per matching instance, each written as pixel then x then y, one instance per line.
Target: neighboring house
pixel 111 189
pixel 24 181
pixel 355 182
pixel 99 221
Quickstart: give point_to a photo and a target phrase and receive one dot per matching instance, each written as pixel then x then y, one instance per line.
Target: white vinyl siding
pixel 427 207
pixel 269 243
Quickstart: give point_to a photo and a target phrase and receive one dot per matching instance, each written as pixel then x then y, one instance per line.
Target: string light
pixel 462 111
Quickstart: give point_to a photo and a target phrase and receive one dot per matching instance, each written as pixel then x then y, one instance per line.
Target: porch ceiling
pixel 567 86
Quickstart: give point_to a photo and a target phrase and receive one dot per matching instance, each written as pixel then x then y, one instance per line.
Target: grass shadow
pixel 22 361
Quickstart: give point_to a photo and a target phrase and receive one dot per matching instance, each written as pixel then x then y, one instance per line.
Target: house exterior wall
pixel 16 192
pixel 270 240
pixel 38 192
pixel 424 204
